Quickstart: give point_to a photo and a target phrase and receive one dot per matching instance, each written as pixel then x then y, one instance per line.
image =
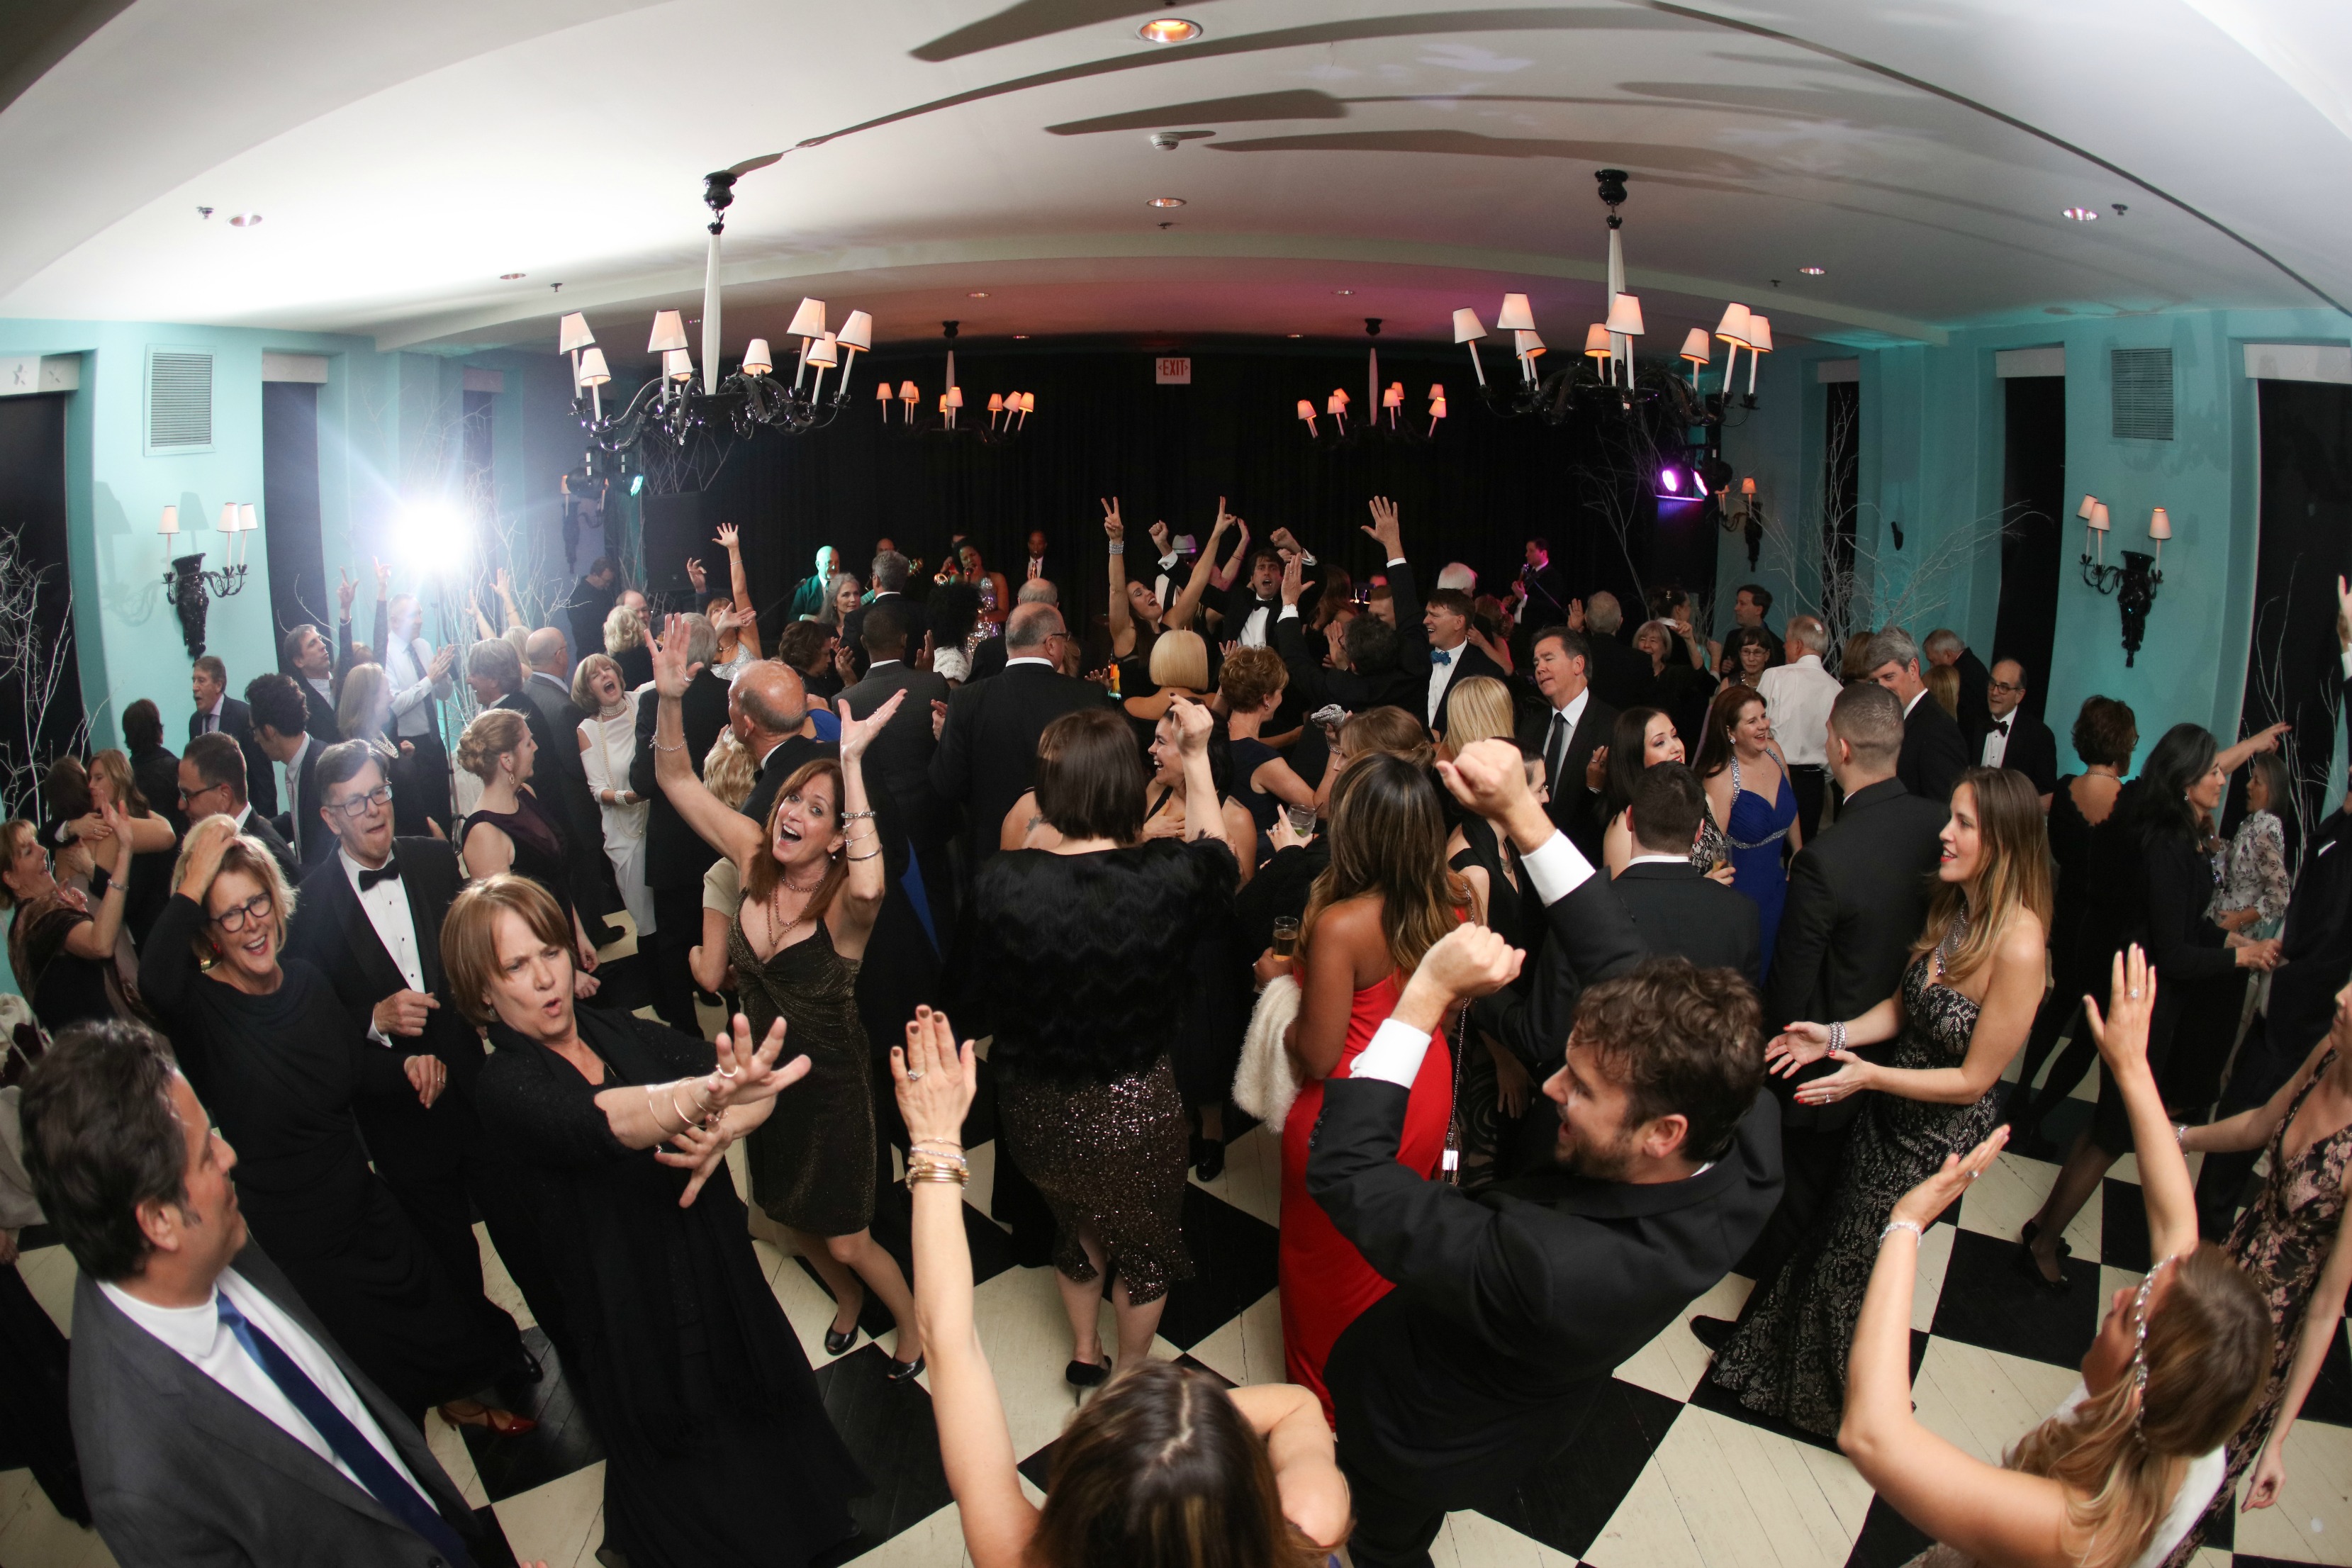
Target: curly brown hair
pixel 1680 1039
pixel 1250 676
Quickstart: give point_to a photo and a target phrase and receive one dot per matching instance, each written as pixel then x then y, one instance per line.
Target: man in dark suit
pixel 1366 671
pixel 591 600
pixel 987 754
pixel 1945 646
pixel 218 710
pixel 1537 597
pixel 1749 605
pixel 312 660
pixel 2012 738
pixel 1250 604
pixel 1622 676
pixel 1934 750
pixel 900 756
pixel 676 857
pixel 1857 900
pixel 212 784
pixel 1512 1309
pixel 370 920
pixel 495 672
pixel 1572 721
pixel 216 1419
pixel 889 585
pixel 1679 910
pixel 1453 657
pixel 768 706
pixel 1038 563
pixel 279 714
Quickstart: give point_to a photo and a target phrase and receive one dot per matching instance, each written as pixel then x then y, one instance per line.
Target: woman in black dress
pixel 277 1061
pixel 508 830
pixel 154 842
pixel 1078 948
pixel 60 945
pixel 1251 684
pixel 716 1441
pixel 811 885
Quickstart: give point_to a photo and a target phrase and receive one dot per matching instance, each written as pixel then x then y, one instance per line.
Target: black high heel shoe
pixel 2024 1262
pixel 903 1371
pixel 840 1343
pixel 1086 1375
pixel 1207 1157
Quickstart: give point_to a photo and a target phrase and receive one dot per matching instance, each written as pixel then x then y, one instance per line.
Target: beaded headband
pixel 2139 1348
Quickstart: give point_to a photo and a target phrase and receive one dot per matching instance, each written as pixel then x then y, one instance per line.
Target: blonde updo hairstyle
pixel 494 733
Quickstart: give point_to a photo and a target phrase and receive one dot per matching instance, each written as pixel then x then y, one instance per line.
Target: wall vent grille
pixel 2142 393
pixel 179 401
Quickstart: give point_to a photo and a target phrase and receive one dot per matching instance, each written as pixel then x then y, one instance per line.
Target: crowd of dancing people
pixel 1576 960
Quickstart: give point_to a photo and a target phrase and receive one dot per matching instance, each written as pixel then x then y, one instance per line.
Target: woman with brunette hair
pixel 508 830
pixel 1641 739
pixel 1079 946
pixel 1747 654
pixel 716 1446
pixel 1752 800
pixel 152 763
pixel 1139 621
pixel 1959 1015
pixel 812 884
pixel 61 942
pixel 1162 1469
pixel 1382 902
pixel 154 843
pixel 2117 1476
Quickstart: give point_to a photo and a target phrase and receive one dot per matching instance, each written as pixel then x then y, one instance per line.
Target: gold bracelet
pixel 923 1167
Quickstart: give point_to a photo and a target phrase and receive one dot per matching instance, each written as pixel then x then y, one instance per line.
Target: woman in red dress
pixel 1385 899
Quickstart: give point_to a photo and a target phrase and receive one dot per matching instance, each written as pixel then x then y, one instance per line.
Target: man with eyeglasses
pixel 2013 738
pixel 368 919
pixel 213 783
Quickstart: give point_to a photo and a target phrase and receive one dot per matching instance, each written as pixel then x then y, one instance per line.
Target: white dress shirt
pixel 1255 625
pixel 1797 698
pixel 1570 716
pixel 325 689
pixel 1442 664
pixel 1996 743
pixel 1913 703
pixel 387 909
pixel 198 1334
pixel 414 691
pixel 213 714
pixel 292 767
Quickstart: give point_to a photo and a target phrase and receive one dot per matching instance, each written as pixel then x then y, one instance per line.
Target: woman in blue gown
pixel 1748 792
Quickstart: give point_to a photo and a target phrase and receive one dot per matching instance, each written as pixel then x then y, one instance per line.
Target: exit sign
pixel 1172 372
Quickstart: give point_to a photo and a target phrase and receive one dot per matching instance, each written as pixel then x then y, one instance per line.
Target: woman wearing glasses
pixel 278 1061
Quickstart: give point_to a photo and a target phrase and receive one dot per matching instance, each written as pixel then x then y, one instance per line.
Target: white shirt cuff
pixel 2348 664
pixel 1394 1055
pixel 376 1033
pixel 1168 561
pixel 1397 561
pixel 1290 613
pixel 1556 868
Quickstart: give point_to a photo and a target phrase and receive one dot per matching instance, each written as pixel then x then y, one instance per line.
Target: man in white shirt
pixel 1797 698
pixel 1573 723
pixel 215 1418
pixel 420 679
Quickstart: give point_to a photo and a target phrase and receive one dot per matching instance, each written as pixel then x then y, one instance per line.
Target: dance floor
pixel 1667 1473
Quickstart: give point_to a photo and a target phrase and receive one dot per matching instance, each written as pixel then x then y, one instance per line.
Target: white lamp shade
pixel 1748 485
pixel 808 322
pixel 1515 316
pixel 228 524
pixel 248 518
pixel 592 372
pixel 171 522
pixel 757 361
pixel 1305 409
pixel 996 402
pixel 1338 405
pixel 669 332
pixel 1596 340
pixel 1467 326
pixel 1393 397
pixel 1028 403
pixel 677 364
pixel 2099 516
pixel 1733 328
pixel 1339 395
pixel 955 397
pixel 1437 409
pixel 1759 333
pixel 2083 511
pixel 907 393
pixel 883 391
pixel 1527 343
pixel 1437 392
pixel 1698 347
pixel 2160 526
pixel 575 333
pixel 822 351
pixel 857 333
pixel 1625 316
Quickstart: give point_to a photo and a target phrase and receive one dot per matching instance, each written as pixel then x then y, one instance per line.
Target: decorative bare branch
pixel 33 661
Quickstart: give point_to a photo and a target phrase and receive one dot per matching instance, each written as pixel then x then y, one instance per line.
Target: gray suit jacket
pixel 181 1471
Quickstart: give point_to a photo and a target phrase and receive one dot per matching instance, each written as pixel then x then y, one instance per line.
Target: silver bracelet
pixel 1118 546
pixel 1837 1037
pixel 2180 1134
pixel 1918 1233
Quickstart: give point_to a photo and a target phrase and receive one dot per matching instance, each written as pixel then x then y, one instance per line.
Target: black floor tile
pixel 1987 1301
pixel 494 1550
pixel 1235 1263
pixel 991 1252
pixel 890 1431
pixel 2222 1534
pixel 1567 1500
pixel 34 1236
pixel 2123 1226
pixel 564 1443
pixel 2058 1130
pixel 1192 1364
pixel 1887 1539
pixel 1040 1465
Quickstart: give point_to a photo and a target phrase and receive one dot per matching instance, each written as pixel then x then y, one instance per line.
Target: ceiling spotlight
pixel 1167 202
pixel 1811 271
pixel 1343 290
pixel 509 277
pixel 2082 214
pixel 244 220
pixel 1169 30
pixel 977 294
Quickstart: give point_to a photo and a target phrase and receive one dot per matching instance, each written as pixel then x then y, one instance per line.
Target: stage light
pixel 1671 477
pixel 636 484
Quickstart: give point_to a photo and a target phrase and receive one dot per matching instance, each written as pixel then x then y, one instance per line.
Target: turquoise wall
pixel 1930 459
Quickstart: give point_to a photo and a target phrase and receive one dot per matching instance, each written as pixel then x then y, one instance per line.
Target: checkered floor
pixel 1667 1473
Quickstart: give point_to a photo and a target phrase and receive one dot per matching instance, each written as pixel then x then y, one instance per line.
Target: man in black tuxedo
pixel 368 919
pixel 1537 597
pixel 1857 900
pixel 900 756
pixel 212 783
pixel 2012 738
pixel 1679 910
pixel 1038 563
pixel 987 754
pixel 1512 1309
pixel 1934 750
pixel 495 672
pixel 1453 657
pixel 312 660
pixel 1945 646
pixel 1572 721
pixel 1251 604
pixel 218 710
pixel 889 585
pixel 279 715
pixel 676 857
pixel 768 707
pixel 592 598
pixel 1622 676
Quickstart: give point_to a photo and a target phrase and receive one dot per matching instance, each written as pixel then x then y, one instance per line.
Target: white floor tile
pixel 34 1534
pixel 560 1523
pixel 1474 1540
pixel 1927 1284
pixel 2012 1191
pixel 1982 1401
pixel 448 1446
pixel 1721 1493
pixel 1252 1179
pixel 1673 1362
pixel 1248 1349
pixel 2312 1520
pixel 497 1284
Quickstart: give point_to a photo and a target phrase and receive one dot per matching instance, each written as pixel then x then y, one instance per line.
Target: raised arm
pixel 1188 602
pixel 851 920
pixel 1231 569
pixel 2122 1034
pixel 504 584
pixel 720 826
pixel 94 938
pixel 2234 758
pixel 738 587
pixel 1122 617
pixel 167 965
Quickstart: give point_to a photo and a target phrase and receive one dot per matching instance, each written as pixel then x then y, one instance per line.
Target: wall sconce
pixel 188 588
pixel 2141 580
pixel 2097 576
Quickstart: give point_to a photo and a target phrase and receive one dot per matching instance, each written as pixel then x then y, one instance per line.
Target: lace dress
pixel 2253 874
pixel 1788 1358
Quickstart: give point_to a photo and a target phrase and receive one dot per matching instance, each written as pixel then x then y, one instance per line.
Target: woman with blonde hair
pixel 1960 1013
pixel 1177 666
pixel 608 744
pixel 1478 708
pixel 1944 685
pixel 625 628
pixel 152 841
pixel 726 773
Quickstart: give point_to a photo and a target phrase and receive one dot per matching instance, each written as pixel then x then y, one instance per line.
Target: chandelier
pixel 1379 401
pixel 1008 412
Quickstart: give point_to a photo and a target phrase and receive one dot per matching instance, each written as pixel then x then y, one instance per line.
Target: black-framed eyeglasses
pixel 188 795
pixel 236 917
pixel 2005 686
pixel 356 807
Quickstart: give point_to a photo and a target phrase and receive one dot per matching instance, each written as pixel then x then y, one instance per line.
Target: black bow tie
pixel 2001 726
pixel 390 873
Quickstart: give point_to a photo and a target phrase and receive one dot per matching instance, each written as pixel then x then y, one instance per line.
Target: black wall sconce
pixel 188 588
pixel 2136 580
pixel 2140 582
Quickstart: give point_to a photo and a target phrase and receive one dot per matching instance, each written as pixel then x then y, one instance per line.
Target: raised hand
pixel 1160 537
pixel 856 734
pixel 383 580
pixel 936 1080
pixel 1192 726
pixel 1469 960
pixel 503 582
pixel 1293 588
pixel 745 1075
pixel 729 536
pixel 696 575
pixel 200 860
pixel 1930 1198
pixel 1576 615
pixel 1114 528
pixel 1799 1046
pixel 2122 1031
pixel 671 670
pixel 1384 529
pixel 1596 768
pixel 1490 778
pixel 346 590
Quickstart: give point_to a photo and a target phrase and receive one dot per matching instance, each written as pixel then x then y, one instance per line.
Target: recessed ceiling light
pixel 1167 202
pixel 977 294
pixel 244 220
pixel 1812 271
pixel 1343 290
pixel 509 277
pixel 1169 30
pixel 2081 215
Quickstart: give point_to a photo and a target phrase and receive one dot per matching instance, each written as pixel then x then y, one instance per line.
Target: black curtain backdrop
pixel 2294 673
pixel 1103 429
pixel 289 501
pixel 33 510
pixel 2032 542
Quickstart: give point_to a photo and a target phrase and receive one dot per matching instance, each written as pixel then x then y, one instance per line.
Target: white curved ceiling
pixel 1418 153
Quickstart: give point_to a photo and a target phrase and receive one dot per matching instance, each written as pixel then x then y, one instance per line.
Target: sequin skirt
pixel 1109 1156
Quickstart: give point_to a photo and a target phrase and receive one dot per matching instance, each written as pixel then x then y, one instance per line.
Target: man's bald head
pixel 1029 627
pixel 767 702
pixel 546 652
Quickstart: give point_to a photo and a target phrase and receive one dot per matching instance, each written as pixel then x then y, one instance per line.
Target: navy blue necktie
pixel 388 1485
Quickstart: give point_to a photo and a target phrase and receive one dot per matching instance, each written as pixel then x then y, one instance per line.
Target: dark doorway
pixel 2033 500
pixel 1841 501
pixel 41 679
pixel 2291 671
pixel 289 497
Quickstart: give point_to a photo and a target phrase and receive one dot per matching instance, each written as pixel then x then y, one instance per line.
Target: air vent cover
pixel 179 401
pixel 2142 380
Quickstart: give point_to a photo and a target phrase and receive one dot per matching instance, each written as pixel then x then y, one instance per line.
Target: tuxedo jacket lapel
pixel 384 976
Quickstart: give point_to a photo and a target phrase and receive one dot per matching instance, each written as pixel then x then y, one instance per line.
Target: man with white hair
pixel 1945 646
pixel 1622 676
pixel 1934 751
pixel 1797 698
pixel 1459 577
